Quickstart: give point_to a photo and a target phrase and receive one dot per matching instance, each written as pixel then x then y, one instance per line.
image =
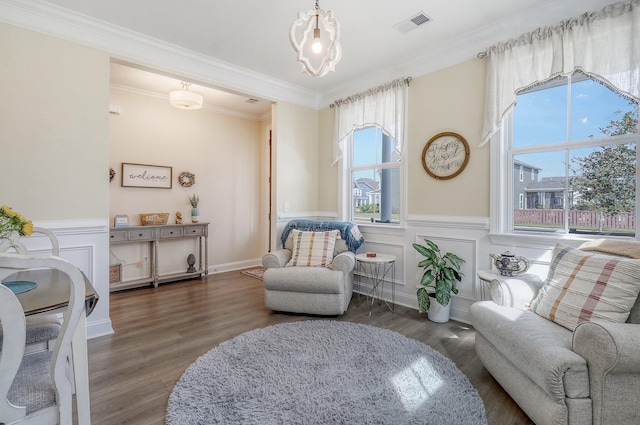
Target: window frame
pixel 502 197
pixel 345 206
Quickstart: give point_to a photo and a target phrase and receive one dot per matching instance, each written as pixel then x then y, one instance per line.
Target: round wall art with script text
pixel 445 155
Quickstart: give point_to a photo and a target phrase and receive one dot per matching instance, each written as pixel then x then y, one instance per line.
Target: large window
pixel 578 140
pixel 374 176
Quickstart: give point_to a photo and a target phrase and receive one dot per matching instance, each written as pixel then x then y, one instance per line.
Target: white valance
pixel 384 106
pixel 603 44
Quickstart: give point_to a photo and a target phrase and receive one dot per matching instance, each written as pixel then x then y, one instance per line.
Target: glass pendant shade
pixel 185 99
pixel 315 36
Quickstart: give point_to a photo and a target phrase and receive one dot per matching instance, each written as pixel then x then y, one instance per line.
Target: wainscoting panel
pixel 362 283
pixel 86 245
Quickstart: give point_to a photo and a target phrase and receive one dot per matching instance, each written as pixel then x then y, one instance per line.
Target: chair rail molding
pixel 456 222
pixel 85 243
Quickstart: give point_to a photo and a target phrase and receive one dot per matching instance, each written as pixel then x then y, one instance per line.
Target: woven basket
pixel 154 219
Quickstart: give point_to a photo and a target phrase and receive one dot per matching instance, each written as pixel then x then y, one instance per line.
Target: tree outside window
pixel 579 138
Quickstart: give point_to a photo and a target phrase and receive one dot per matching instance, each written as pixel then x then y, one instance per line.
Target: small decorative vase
pixel 195 215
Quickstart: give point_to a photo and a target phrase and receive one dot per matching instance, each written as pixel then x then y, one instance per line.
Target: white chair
pixel 35 388
pixel 42 331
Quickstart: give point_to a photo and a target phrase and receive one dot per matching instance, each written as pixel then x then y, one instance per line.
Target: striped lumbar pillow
pixel 583 287
pixel 312 249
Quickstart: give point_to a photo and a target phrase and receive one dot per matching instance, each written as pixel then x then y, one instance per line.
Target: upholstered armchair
pixel 579 364
pixel 313 272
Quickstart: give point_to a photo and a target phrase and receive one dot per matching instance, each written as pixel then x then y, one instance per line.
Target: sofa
pixel 586 375
pixel 326 288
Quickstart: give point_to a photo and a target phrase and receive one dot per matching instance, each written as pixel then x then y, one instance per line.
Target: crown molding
pixel 465 46
pixel 164 98
pixel 136 48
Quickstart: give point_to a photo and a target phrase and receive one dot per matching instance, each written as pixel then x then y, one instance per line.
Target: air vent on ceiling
pixel 412 22
pixel 251 100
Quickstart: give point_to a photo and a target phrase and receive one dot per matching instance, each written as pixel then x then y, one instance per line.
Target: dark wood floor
pixel 160 331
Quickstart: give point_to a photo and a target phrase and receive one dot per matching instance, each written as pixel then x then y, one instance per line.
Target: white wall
pixel 226 156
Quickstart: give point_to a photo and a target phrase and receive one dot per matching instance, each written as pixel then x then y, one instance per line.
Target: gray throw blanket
pixel 348 230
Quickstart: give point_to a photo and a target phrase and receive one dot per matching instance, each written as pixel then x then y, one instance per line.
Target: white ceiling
pixel 253 35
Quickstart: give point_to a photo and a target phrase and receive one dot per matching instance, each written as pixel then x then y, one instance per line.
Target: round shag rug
pixel 324 372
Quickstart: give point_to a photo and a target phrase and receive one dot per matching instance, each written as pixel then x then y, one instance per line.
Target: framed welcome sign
pixel 150 176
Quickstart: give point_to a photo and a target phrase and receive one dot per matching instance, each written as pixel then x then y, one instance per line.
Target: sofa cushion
pixel 314 280
pixel 312 249
pixel 582 287
pixel 536 346
pixel 340 247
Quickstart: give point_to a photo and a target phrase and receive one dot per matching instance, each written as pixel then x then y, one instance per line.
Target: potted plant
pixel 195 213
pixel 441 272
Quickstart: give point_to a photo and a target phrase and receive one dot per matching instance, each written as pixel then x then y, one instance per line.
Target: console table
pixel 154 235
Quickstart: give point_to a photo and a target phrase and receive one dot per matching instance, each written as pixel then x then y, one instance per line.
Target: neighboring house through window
pixel 579 138
pixel 374 168
pixel 521 173
pixel 564 99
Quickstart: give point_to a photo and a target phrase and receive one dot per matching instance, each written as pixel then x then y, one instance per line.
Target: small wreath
pixel 112 174
pixel 186 179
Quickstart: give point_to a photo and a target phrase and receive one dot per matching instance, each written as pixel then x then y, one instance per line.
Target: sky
pixel 541 117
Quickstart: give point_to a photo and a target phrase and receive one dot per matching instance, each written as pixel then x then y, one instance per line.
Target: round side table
pixel 378 269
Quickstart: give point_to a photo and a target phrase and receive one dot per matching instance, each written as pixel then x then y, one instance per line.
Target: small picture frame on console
pixel 121 221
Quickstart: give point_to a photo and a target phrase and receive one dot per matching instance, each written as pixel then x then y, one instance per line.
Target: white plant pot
pixel 437 312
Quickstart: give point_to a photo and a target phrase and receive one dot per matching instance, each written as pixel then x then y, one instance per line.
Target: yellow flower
pixel 13 222
pixel 27 229
pixel 8 211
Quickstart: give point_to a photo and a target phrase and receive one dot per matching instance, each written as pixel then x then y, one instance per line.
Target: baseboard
pixel 99 328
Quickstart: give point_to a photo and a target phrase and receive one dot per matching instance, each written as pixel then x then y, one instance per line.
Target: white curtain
pixel 603 44
pixel 384 106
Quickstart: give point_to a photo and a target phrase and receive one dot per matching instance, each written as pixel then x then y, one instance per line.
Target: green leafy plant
pixel 194 201
pixel 441 272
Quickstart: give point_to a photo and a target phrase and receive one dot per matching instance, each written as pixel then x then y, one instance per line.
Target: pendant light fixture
pixel 185 99
pixel 315 36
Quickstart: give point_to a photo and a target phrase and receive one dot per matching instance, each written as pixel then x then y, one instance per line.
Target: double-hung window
pixel 578 140
pixel 368 140
pixel 374 170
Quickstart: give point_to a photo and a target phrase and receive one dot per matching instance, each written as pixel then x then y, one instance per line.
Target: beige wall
pixel 224 153
pixel 328 172
pixel 448 100
pixel 54 127
pixel 296 158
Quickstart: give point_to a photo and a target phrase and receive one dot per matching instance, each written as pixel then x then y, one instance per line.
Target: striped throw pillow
pixel 312 249
pixel 583 287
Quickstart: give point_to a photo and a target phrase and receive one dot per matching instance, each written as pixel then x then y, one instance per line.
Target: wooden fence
pixel 577 219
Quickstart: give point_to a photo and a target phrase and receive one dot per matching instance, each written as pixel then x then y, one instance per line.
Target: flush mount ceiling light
pixel 315 36
pixel 185 99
